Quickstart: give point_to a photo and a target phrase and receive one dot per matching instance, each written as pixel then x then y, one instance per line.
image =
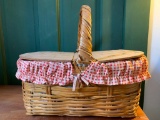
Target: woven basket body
pixel 108 101
pixel 93 100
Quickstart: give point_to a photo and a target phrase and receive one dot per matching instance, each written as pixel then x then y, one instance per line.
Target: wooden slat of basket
pixel 48 56
pixel 122 101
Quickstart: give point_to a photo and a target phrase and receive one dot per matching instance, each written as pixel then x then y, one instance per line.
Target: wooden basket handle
pixel 84 44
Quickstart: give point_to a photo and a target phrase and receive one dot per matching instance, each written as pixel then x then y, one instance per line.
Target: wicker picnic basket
pixel 81 98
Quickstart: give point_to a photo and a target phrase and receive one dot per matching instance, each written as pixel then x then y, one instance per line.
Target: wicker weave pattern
pixel 109 101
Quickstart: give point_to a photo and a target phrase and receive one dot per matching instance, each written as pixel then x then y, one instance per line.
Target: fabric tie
pixel 77 82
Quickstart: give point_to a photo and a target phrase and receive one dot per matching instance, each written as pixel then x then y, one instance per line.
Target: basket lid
pixel 113 55
pixel 48 56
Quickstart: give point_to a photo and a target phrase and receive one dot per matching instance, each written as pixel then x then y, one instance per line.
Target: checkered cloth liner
pixel 44 72
pixel 109 73
pixel 118 72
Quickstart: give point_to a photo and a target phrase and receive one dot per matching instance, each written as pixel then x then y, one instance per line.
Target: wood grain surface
pixel 112 55
pixel 48 56
pixel 12 108
pixel 102 56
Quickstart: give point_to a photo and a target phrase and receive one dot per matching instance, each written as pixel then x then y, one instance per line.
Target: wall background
pixel 152 96
pixel 51 25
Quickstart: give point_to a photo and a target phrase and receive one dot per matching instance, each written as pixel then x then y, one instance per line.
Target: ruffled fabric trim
pixel 109 73
pixel 118 72
pixel 43 72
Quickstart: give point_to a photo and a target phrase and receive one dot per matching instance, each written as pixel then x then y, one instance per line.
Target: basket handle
pixel 84 44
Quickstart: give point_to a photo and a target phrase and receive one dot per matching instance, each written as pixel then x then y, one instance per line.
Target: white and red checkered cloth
pixel 109 73
pixel 118 72
pixel 44 72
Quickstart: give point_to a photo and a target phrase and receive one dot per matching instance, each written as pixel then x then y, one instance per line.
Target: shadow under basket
pixel 107 101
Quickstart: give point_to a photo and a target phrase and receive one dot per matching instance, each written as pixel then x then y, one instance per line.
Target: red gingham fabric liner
pixel 109 73
pixel 44 72
pixel 118 72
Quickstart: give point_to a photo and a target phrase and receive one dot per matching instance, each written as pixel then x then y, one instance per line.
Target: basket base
pixel 106 101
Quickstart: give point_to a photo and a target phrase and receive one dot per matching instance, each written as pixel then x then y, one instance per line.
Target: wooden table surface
pixel 12 108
